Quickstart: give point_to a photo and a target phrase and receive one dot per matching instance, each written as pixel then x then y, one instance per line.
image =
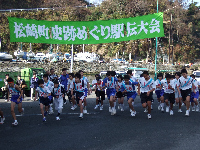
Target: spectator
pixel 52 76
pixel 5 84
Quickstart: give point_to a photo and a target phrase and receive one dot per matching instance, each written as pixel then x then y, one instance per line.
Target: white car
pixel 197 75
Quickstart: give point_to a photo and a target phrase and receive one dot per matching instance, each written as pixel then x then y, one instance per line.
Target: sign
pixel 86 32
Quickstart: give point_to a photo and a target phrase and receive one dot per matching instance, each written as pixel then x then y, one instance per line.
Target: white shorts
pixel 177 95
pixel 58 103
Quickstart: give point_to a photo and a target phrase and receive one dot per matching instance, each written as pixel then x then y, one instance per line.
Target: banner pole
pixel 71 58
pixel 156 51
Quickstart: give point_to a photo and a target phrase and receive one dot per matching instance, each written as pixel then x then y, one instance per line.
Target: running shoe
pixel 167 109
pixel 96 107
pixel 2 120
pixel 15 123
pixel 187 112
pixel 197 108
pixel 110 110
pixel 44 119
pixel 162 109
pixel 57 118
pixel 193 108
pixel 149 116
pixel 171 112
pixel 45 113
pixel 179 110
pixel 85 111
pixel 159 107
pixel 72 108
pixel 133 113
pixel 81 115
pixel 145 110
pixel 22 113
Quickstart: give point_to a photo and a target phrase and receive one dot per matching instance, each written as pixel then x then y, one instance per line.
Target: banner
pixel 86 32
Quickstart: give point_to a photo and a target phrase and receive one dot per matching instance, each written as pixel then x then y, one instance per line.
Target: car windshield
pixel 197 74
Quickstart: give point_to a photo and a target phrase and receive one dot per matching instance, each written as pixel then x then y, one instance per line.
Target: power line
pixel 36 9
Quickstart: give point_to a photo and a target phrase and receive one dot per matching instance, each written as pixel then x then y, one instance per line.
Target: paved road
pixel 98 130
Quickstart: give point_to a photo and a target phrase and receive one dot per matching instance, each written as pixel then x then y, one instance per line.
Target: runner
pixel 69 88
pixel 160 92
pixel 178 97
pixel 119 94
pixel 58 94
pixel 145 84
pixel 194 94
pixel 64 81
pixel 111 84
pixel 49 85
pixel 100 93
pixel 184 85
pixel 87 89
pixel 44 92
pixel 169 95
pixel 16 98
pixel 128 87
pixel 79 90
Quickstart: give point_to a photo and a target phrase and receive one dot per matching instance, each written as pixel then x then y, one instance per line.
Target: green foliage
pixel 185 26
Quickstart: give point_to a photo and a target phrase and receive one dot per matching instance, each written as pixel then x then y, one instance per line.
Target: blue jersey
pixel 64 80
pixel 104 80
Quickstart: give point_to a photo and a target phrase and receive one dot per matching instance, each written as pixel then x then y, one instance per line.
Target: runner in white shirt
pixel 78 88
pixel 119 94
pixel 87 89
pixel 71 97
pixel 160 92
pixel 16 98
pixel 94 82
pixel 169 93
pixel 184 85
pixel 145 84
pixel 100 93
pixel 58 94
pixel 44 92
pixel 132 78
pixel 194 94
pixel 49 84
pixel 178 97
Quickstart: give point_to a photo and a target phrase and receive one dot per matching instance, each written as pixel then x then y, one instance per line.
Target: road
pixel 98 130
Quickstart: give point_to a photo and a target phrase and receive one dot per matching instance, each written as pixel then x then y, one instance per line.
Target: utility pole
pixel 172 42
pixel 156 51
pixel 170 39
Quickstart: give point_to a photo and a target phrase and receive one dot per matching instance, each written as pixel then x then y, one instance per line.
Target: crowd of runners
pixel 51 91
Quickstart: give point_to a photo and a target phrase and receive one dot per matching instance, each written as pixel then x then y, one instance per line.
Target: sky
pixel 99 1
pixel 198 2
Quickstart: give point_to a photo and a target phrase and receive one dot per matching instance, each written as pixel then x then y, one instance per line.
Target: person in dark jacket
pixel 64 80
pixel 34 84
pixel 52 76
pixel 5 84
